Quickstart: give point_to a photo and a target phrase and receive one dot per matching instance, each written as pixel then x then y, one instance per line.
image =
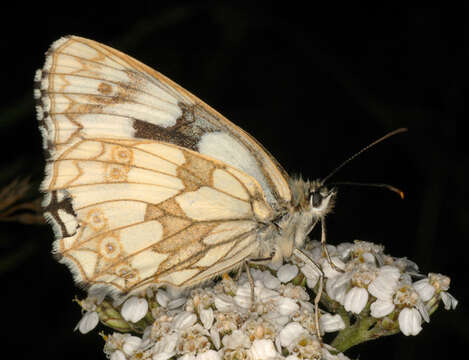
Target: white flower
pixel 117 355
pixel 263 350
pixel 88 322
pixel 291 333
pixel 134 309
pixel 331 323
pixel 287 272
pixel 356 299
pixel 131 344
pixel 410 321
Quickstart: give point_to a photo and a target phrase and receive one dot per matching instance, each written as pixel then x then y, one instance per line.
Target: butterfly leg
pixel 307 260
pixel 251 280
pixel 324 246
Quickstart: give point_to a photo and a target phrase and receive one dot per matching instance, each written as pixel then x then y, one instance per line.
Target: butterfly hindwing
pixel 152 213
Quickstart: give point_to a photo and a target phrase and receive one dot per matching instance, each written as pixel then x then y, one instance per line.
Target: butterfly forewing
pixel 96 91
pixel 145 184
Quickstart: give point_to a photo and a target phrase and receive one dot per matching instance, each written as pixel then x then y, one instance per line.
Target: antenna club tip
pixel 401 194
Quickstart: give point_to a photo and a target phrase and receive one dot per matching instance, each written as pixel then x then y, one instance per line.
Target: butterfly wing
pixel 145 184
pixel 143 212
pixel 96 91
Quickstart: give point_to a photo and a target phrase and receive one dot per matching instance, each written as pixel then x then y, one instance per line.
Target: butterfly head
pixel 321 198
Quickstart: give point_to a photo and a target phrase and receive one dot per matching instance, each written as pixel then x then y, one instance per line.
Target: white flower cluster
pixel 219 321
pixel 373 278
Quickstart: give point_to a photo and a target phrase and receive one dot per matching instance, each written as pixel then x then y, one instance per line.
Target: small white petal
pixel 292 357
pixel 266 295
pixel 337 287
pixel 312 275
pixel 449 300
pixel 356 299
pixel 385 283
pixel 286 306
pixel 131 344
pixel 215 336
pixel 146 338
pixel 117 355
pixel 328 270
pixel 420 306
pixel 164 349
pixel 424 289
pixel 263 350
pixel 206 317
pixel 331 323
pixel 287 272
pixel 134 309
pixel 290 333
pixel 237 339
pixel 174 304
pixel 209 355
pixel 224 303
pixel 243 296
pixel 381 308
pixel 184 320
pixel 270 281
pixel 163 298
pixel 88 322
pixel 410 321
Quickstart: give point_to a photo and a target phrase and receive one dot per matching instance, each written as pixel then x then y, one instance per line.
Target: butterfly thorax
pixel 311 202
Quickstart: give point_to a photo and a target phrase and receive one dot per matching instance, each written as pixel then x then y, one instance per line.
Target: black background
pixel 313 85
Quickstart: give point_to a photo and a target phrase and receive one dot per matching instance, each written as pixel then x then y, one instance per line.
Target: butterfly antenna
pixel 378 185
pixel 388 135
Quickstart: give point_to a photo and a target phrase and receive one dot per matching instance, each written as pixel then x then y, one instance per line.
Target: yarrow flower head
pixel 221 320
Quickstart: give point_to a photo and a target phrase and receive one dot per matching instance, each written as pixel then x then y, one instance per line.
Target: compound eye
pixel 316 199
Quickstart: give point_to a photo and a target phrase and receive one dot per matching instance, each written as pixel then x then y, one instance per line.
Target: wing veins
pixel 236 239
pixel 134 88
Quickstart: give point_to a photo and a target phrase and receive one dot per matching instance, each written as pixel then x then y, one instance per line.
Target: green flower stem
pixel 355 334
